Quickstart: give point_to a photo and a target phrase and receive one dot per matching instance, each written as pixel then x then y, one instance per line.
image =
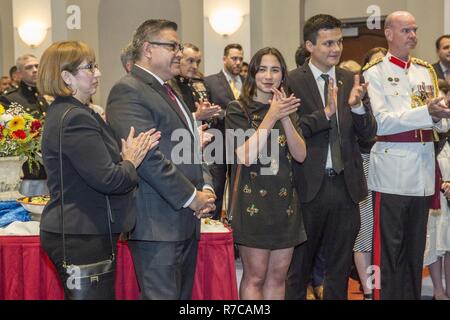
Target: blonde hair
pixel 59 57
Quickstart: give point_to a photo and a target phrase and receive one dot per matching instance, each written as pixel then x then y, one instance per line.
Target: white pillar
pixel 446 16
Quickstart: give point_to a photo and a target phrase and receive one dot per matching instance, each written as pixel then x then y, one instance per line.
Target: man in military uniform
pixel 5 83
pixel 26 94
pixel 32 102
pixel 191 87
pixel 403 93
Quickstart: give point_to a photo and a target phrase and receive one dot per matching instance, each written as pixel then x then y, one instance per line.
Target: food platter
pixel 35 204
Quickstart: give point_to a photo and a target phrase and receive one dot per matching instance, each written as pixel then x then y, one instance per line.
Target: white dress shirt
pixel 321 85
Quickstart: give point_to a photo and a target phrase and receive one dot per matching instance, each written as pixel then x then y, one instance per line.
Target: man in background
pixel 224 87
pixel 442 67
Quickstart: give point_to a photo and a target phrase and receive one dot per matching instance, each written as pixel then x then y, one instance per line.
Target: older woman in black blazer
pixel 96 170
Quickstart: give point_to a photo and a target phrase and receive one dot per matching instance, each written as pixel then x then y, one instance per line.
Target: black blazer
pixel 315 127
pixel 439 72
pixel 139 100
pixel 219 90
pixel 92 168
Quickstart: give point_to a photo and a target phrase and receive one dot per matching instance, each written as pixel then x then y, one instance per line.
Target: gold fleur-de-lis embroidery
pixel 252 210
pixel 282 140
pixel 274 166
pixel 256 117
pixel 283 193
pixel 263 193
pixel 247 189
pixel 290 211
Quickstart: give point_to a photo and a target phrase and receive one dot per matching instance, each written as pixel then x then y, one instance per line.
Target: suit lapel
pixel 311 83
pixel 150 80
pixel 226 86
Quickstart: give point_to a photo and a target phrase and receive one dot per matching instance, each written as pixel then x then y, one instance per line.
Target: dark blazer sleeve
pixel 84 147
pixel 439 71
pixel 128 107
pixel 314 123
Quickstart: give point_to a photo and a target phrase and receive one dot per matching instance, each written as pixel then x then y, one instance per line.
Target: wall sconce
pixel 32 33
pixel 226 21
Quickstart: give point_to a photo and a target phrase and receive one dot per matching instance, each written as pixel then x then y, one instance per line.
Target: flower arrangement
pixel 20 134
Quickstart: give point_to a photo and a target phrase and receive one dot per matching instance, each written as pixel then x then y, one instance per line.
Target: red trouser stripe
pixel 377 242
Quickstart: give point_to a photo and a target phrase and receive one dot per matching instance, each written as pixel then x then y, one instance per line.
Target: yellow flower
pixel 17 123
pixel 2 109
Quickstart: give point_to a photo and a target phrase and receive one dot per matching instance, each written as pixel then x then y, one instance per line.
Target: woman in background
pixel 363 245
pixel 437 249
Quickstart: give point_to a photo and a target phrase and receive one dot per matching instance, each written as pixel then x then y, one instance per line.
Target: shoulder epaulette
pixel 421 62
pixel 10 90
pixel 371 64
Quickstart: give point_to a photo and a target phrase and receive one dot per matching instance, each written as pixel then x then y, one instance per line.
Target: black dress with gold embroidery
pixel 267 212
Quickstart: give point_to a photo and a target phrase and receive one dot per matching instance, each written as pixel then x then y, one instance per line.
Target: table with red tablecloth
pixel 26 273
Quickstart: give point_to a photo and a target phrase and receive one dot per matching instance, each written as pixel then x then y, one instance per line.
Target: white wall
pixel 446 16
pixel 6 37
pixel 344 9
pixel 275 25
pixel 116 33
pixel 215 43
pixel 26 10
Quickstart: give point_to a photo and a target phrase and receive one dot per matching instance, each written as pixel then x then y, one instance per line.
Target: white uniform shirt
pixel 401 168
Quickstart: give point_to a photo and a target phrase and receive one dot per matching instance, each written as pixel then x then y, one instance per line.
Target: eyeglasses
pixel 175 46
pixel 90 66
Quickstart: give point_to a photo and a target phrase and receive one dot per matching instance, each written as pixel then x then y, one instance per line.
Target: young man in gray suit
pixel 173 195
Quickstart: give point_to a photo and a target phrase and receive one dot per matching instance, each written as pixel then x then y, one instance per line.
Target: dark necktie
pixel 336 157
pixel 173 97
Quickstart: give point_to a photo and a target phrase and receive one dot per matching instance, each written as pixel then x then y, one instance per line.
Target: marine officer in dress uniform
pixel 27 96
pixel 191 87
pixel 403 93
pixel 26 93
